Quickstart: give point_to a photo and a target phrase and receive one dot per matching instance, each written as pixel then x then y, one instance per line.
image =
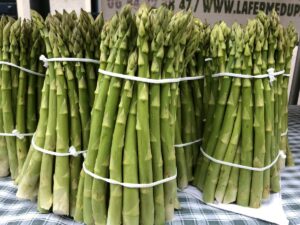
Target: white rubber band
pixel 22 68
pixel 72 150
pixel 187 143
pixel 285 133
pixel 128 185
pixel 286 75
pixel 17 134
pixel 261 169
pixel 149 80
pixel 271 75
pixel 65 59
pixel 207 59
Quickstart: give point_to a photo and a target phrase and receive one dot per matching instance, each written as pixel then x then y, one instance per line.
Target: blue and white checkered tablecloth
pixel 13 211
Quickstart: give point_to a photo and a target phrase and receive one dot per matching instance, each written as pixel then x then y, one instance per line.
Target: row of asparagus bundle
pixel 133 123
pixel 20 91
pixel 247 116
pixel 67 97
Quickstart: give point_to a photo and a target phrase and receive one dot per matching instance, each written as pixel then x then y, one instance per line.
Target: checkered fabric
pixel 13 211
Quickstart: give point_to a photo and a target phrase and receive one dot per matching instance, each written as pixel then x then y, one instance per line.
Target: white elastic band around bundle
pixel 128 185
pixel 271 75
pixel 285 133
pixel 258 169
pixel 17 134
pixel 72 150
pixel 286 75
pixel 22 68
pixel 149 80
pixel 65 59
pixel 207 59
pixel 187 143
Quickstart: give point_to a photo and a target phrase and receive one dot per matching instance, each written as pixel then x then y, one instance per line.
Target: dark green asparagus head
pixel 3 22
pixel 77 42
pixel 249 40
pixel 239 47
pixel 194 40
pixel 132 62
pixel 280 51
pixel 98 26
pixel 291 37
pixel 15 32
pixel 159 20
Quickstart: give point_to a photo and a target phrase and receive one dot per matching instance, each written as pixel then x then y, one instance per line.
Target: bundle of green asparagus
pixel 129 172
pixel 21 45
pixel 51 170
pixel 248 115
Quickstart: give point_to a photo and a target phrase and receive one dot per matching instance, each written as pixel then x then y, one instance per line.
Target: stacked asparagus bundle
pixel 133 123
pixel 21 45
pixel 246 124
pixel 64 113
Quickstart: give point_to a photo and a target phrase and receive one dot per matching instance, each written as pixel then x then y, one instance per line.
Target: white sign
pixel 215 10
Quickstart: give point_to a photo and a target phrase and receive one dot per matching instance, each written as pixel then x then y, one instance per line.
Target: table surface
pixel 193 211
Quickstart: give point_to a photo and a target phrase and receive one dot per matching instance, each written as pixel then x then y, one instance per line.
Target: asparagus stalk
pixel 142 123
pixel 232 187
pixel 206 71
pixel 280 65
pixel 259 120
pixel 15 59
pixel 32 89
pixel 21 144
pixel 78 214
pixel 76 134
pixel 244 180
pixel 98 26
pixel 182 178
pixel 4 160
pixel 7 108
pixel 159 19
pixel 85 23
pixel 269 113
pixel 115 166
pixel 61 178
pixel 273 35
pixel 131 207
pixel 45 195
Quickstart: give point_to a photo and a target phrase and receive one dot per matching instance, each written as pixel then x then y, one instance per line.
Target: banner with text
pixel 215 10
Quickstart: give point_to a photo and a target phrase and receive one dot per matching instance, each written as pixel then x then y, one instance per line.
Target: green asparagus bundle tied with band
pixel 21 79
pixel 129 174
pixel 52 169
pixel 245 137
